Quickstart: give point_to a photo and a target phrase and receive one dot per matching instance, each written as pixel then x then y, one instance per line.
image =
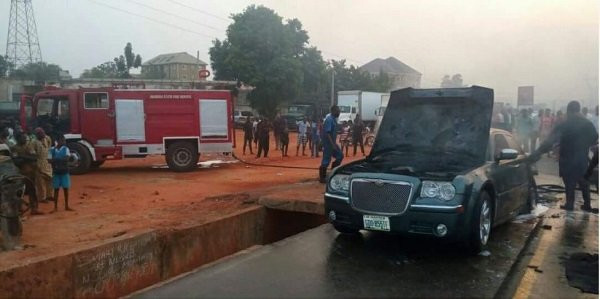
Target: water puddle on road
pixel 203 164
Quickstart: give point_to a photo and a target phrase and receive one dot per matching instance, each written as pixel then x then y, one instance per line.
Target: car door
pixel 519 178
pixel 507 176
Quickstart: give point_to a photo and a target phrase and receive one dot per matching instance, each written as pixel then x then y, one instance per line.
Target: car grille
pixel 381 197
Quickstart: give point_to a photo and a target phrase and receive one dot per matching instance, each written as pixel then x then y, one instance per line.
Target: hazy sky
pixel 550 44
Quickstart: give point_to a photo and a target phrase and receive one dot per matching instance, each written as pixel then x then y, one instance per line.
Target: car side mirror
pixel 507 154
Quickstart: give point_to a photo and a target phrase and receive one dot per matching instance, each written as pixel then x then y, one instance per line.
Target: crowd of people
pixel 257 132
pixel 43 161
pixel 531 127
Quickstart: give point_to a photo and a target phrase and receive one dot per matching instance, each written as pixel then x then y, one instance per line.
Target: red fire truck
pixel 109 124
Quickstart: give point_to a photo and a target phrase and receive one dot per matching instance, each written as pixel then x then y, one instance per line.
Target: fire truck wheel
pixel 182 156
pixel 83 158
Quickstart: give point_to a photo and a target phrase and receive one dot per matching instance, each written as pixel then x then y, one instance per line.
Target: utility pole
pixel 332 87
pixel 22 44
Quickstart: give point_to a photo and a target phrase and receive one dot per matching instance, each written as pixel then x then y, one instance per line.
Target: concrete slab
pixel 305 197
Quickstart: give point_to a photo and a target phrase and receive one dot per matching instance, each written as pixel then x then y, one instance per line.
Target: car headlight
pixel 340 182
pixel 441 190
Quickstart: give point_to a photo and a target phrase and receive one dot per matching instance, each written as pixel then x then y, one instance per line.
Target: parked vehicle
pixel 239 117
pixel 297 111
pixel 110 124
pixel 365 103
pixel 436 168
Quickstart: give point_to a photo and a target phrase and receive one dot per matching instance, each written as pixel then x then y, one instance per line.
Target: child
pixel 59 158
pixel 285 141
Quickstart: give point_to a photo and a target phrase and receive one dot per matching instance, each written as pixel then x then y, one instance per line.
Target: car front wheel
pixel 481 225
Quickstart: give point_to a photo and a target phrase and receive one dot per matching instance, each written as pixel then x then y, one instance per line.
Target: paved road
pixel 322 263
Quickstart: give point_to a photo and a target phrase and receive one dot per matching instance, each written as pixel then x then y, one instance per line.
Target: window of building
pixel 95 100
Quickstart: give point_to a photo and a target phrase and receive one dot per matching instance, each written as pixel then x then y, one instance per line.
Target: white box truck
pixel 365 103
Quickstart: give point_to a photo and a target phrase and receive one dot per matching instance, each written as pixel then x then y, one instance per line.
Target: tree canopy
pixel 117 68
pixel 39 72
pixel 4 66
pixel 455 81
pixel 273 56
pixel 106 70
pixel 262 51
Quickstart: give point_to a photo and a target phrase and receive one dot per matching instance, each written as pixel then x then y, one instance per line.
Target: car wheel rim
pixel 182 157
pixel 484 222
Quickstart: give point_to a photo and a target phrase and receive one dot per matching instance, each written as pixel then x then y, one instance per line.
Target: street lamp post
pixel 332 87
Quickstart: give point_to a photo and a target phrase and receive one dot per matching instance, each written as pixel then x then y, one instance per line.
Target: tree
pixel 455 81
pixel 117 68
pixel 353 78
pixel 39 72
pixel 105 70
pixel 314 76
pixel 127 61
pixel 262 51
pixel 5 65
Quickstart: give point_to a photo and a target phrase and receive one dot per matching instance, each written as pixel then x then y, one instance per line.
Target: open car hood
pixel 437 123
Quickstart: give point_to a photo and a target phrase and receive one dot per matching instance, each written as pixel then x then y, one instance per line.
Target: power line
pixel 151 19
pixel 199 10
pixel 190 20
pixel 175 15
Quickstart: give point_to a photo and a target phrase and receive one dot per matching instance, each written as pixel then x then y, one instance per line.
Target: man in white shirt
pixel 302 129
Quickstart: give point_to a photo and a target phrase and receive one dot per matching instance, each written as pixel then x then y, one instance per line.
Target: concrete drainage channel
pixel 131 263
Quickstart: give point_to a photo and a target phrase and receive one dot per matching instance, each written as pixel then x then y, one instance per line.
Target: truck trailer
pixel 103 124
pixel 365 103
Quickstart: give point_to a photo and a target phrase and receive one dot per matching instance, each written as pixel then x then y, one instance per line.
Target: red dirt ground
pixel 129 196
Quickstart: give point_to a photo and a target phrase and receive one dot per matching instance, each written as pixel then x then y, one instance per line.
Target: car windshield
pixel 247 113
pixel 453 126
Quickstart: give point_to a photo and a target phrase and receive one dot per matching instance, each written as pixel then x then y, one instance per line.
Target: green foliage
pixel 262 51
pixel 39 72
pixel 105 70
pixel 315 85
pixel 117 68
pixel 353 78
pixel 5 65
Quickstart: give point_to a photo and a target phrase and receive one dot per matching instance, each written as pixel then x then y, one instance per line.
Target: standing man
pixel 357 137
pixel 263 138
pixel 330 147
pixel 302 138
pixel 43 178
pixel 277 129
pixel 523 127
pixel 535 130
pixel 316 129
pixel 25 158
pixel 575 135
pixel 248 134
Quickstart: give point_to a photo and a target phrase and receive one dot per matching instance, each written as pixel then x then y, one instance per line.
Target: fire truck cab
pixel 109 124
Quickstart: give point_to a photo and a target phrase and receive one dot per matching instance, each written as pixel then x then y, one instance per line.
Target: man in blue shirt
pixel 330 148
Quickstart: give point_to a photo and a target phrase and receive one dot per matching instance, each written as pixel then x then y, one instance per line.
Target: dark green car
pixel 436 168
